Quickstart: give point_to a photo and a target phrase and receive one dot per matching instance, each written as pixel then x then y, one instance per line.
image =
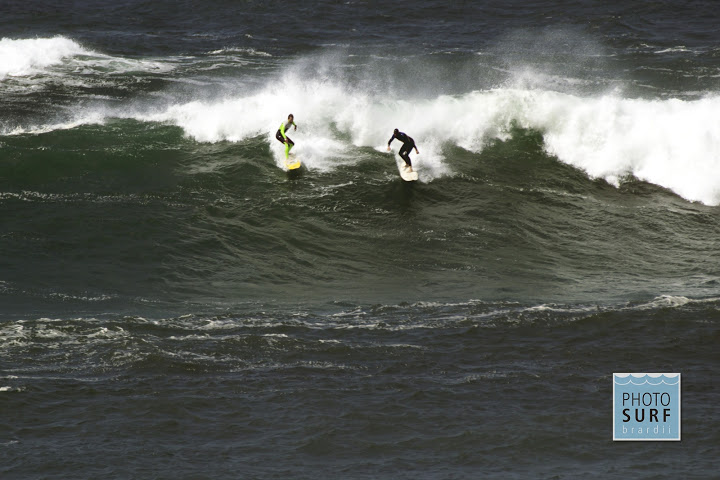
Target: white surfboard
pixel 406 172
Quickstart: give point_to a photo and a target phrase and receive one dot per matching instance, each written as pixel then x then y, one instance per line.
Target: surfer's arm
pixel 390 141
pixel 282 130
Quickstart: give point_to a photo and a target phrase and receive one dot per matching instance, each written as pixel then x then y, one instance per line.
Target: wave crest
pixel 29 56
pixel 671 143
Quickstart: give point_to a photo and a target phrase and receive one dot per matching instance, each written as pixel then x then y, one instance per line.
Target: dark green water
pixel 174 304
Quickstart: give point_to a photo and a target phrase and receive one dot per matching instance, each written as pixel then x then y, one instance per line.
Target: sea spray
pixel 672 143
pixel 35 61
pixel 29 56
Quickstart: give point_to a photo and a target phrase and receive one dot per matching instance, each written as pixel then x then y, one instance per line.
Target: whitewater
pixel 670 142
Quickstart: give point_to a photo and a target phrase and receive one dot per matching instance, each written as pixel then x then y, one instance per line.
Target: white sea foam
pixel 29 56
pixel 23 58
pixel 678 49
pixel 236 50
pixel 81 117
pixel 672 143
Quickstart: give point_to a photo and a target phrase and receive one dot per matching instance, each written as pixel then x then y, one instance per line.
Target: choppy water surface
pixel 174 304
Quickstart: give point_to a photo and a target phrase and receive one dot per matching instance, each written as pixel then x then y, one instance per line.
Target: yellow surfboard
pixel 292 163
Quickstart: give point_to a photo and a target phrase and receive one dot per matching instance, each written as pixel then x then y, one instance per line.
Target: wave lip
pixel 24 57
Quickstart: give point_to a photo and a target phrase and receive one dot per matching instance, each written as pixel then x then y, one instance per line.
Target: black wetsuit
pixel 408 145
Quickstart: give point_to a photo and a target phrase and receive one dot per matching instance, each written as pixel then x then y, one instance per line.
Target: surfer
pixel 282 138
pixel 408 145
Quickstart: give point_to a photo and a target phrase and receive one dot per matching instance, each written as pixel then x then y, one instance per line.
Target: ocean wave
pixel 28 58
pixel 24 57
pixel 671 143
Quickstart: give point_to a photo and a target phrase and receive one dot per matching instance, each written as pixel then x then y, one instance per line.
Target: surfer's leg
pixel 404 151
pixel 288 145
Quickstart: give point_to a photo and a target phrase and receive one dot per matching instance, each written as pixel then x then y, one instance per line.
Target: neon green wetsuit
pixel 282 138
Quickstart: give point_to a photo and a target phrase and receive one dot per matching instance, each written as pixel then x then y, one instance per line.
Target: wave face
pixel 534 163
